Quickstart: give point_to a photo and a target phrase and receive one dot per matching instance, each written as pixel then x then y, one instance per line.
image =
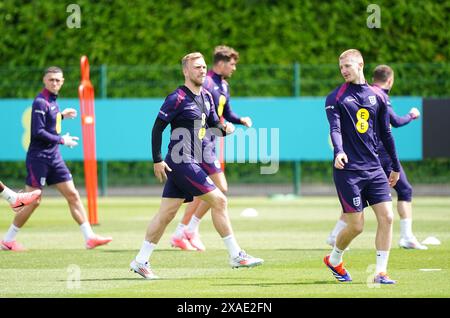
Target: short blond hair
pixel 352 53
pixel 189 57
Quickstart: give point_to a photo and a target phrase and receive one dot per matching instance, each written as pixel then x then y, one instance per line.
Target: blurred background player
pixel 358 115
pixel 45 164
pixel 225 59
pixel 190 112
pixel 17 200
pixel 383 79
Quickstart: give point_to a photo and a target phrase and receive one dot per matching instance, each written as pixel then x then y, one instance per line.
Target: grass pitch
pixel 288 234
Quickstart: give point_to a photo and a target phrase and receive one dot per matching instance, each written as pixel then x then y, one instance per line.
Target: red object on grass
pixel 87 109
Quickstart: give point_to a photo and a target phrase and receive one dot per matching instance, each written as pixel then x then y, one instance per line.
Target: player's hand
pixel 246 121
pixel 69 113
pixel 70 141
pixel 340 160
pixel 393 178
pixel 229 128
pixel 414 112
pixel 160 170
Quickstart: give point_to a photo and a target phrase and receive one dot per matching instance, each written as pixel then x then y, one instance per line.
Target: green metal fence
pixel 136 81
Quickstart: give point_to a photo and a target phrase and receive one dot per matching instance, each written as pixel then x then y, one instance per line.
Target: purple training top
pixel 185 118
pixel 358 116
pixel 45 126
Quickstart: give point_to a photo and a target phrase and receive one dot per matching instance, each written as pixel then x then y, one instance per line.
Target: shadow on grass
pixel 137 250
pixel 321 282
pixel 325 249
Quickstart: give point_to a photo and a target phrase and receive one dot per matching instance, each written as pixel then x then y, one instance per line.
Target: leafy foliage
pixel 138 46
pixel 142 44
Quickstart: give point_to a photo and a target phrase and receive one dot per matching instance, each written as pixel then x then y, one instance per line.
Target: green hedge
pixel 142 43
pixel 265 32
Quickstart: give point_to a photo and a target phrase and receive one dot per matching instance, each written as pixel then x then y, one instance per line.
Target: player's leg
pixel 18 200
pixel 9 240
pixel 167 211
pixel 78 212
pixel 192 228
pixel 349 185
pixel 190 210
pixel 383 240
pixel 338 227
pixel 178 238
pixel 378 194
pixel 187 236
pixel 404 208
pixel 219 213
pixel 36 177
pixel 172 198
pixel 334 261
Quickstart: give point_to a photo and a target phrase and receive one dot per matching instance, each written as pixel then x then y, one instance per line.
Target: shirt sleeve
pixel 171 106
pixel 386 135
pixel 334 119
pixel 38 123
pixel 214 121
pixel 396 120
pixel 157 131
pixel 229 115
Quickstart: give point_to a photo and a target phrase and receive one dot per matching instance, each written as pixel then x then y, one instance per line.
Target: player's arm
pixel 159 166
pixel 399 121
pixel 388 142
pixel 396 120
pixel 219 129
pixel 166 114
pixel 38 123
pixel 334 119
pixel 69 113
pixel 231 116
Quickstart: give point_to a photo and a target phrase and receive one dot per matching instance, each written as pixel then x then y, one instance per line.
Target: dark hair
pixel 53 69
pixel 382 73
pixel 225 53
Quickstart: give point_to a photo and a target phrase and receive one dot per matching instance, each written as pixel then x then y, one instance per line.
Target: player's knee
pixel 73 196
pixel 387 219
pixel 167 217
pixel 220 201
pixel 355 228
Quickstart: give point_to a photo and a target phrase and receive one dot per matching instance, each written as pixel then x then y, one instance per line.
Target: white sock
pixel 179 231
pixel 11 234
pixel 336 256
pixel 145 252
pixel 406 228
pixel 192 227
pixel 232 246
pixel 382 261
pixel 9 195
pixel 87 231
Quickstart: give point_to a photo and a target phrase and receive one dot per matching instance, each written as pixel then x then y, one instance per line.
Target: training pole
pixel 86 95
